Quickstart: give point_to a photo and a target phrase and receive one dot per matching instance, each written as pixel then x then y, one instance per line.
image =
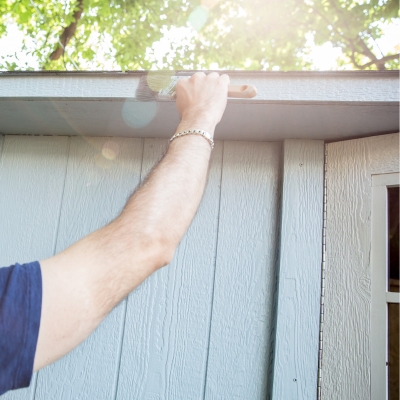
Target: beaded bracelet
pixel 200 132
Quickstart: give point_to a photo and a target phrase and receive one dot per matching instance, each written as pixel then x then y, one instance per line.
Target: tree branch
pixel 380 61
pixel 366 50
pixel 67 33
pixel 362 46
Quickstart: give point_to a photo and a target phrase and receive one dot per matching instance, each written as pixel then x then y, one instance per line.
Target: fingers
pixel 213 80
pixel 213 75
pixel 179 84
pixel 200 80
pixel 198 75
pixel 224 78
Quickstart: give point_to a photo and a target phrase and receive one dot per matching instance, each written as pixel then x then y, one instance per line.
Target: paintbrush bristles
pixel 157 86
pixel 168 92
pixel 159 81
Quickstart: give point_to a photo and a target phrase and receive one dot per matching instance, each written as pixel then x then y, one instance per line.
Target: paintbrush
pixel 161 86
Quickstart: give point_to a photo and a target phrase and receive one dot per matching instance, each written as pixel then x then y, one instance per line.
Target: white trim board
pixel 379 295
pixel 305 105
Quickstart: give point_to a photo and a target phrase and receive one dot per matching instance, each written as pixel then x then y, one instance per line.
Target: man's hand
pixel 201 100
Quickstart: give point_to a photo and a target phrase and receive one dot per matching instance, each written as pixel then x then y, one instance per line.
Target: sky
pixel 323 58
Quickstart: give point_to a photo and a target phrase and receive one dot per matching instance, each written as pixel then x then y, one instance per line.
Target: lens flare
pixel 138 114
pixel 110 150
pixel 199 17
pixel 102 162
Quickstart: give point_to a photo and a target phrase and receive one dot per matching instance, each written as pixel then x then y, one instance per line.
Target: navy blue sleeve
pixel 20 310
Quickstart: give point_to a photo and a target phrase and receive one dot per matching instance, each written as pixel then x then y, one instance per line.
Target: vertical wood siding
pixel 205 317
pixel 240 338
pixel 96 189
pixel 167 324
pixel 298 303
pixel 346 349
pixel 1 144
pixel 32 173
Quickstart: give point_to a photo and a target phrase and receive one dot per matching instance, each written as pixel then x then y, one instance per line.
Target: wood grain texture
pixel 102 173
pixel 289 86
pixel 30 197
pixel 298 304
pixel 347 345
pixel 240 340
pixel 168 317
pixel 30 201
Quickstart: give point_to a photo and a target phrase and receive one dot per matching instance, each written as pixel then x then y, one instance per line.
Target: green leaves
pixel 230 34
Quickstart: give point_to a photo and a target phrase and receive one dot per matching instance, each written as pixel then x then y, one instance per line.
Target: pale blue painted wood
pixel 30 196
pixel 168 317
pixel 242 317
pixel 298 305
pixel 30 201
pixel 98 183
pixel 1 144
pixel 165 348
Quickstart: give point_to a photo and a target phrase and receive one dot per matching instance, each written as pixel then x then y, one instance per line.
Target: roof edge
pixel 355 73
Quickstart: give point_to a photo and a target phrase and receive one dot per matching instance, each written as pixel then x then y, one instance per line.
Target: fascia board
pixel 339 87
pixel 312 105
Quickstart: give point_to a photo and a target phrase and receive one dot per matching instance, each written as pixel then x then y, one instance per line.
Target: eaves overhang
pixel 307 105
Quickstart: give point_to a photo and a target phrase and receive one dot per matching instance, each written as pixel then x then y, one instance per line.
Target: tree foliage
pixel 231 34
pixel 354 26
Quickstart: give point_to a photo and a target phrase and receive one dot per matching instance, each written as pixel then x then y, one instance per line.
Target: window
pixel 385 287
pixel 393 237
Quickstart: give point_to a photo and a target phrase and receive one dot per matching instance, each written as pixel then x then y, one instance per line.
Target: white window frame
pixel 379 284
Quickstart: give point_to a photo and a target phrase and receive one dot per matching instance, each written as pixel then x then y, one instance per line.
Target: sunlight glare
pixel 209 4
pixel 11 45
pixel 324 57
pixel 390 40
pixel 163 52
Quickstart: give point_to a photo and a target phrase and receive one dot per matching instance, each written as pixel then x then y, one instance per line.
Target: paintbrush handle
pixel 242 91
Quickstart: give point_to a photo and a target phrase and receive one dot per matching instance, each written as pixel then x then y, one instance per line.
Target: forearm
pixel 166 203
pixel 87 280
pixel 146 234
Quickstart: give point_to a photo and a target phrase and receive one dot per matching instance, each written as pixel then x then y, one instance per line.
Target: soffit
pixel 313 105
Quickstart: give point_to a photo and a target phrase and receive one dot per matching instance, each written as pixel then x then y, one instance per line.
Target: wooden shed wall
pixel 155 344
pixel 204 326
pixel 348 287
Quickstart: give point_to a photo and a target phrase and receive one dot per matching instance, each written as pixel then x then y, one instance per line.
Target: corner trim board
pixel 299 282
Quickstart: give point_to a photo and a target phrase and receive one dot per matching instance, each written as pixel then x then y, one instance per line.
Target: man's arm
pixel 82 284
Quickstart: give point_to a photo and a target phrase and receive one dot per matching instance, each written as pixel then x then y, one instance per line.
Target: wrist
pixel 196 132
pixel 195 142
pixel 196 122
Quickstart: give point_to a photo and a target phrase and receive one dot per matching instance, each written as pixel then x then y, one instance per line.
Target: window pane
pixel 393 203
pixel 393 348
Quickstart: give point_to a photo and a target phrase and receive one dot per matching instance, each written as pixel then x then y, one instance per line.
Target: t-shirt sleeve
pixel 20 310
